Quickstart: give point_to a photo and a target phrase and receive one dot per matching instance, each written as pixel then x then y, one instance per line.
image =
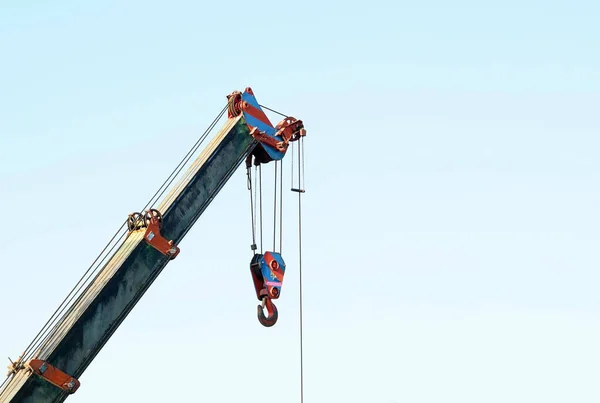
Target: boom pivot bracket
pixel 54 375
pixel 151 222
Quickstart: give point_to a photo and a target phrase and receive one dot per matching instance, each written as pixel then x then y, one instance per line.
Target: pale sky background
pixel 451 220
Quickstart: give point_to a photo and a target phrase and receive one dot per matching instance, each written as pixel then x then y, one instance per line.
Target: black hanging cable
pixel 292 170
pixel 256 199
pixel 261 207
pixel 30 348
pixel 303 176
pixel 275 208
pixel 281 207
pixel 252 211
pixel 281 190
pixel 300 283
pixel 301 190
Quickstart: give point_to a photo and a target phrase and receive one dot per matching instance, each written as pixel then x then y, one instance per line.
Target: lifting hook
pixel 267 321
pixel 267 273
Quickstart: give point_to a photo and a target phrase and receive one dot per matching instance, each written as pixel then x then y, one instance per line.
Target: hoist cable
pixel 249 173
pixel 301 184
pixel 35 344
pixel 300 283
pixel 281 208
pixel 303 176
pixel 261 207
pixel 275 208
pixel 292 170
pixel 256 201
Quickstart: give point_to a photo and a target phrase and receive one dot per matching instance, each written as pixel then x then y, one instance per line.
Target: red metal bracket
pixel 152 222
pixel 54 375
pixel 268 140
pixel 290 129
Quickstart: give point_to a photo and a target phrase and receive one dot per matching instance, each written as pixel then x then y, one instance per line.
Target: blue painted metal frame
pixel 265 127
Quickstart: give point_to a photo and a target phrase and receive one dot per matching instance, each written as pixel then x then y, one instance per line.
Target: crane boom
pixel 147 249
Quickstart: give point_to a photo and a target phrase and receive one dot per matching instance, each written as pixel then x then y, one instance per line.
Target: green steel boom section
pixel 131 270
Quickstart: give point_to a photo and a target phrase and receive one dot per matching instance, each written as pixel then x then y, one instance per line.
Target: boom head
pixel 274 140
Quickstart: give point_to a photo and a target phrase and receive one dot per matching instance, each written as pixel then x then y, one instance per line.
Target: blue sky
pixel 451 215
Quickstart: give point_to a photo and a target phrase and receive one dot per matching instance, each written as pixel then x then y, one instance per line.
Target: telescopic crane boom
pixel 49 372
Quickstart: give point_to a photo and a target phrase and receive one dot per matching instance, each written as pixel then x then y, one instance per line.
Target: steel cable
pixel 301 185
pixel 36 343
pixel 47 329
pixel 300 271
pixel 150 203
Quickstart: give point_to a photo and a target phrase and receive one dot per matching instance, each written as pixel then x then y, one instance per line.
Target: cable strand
pixel 51 324
pixel 300 286
pixel 281 208
pixel 275 208
pixel 274 111
pixel 87 276
pixel 261 207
